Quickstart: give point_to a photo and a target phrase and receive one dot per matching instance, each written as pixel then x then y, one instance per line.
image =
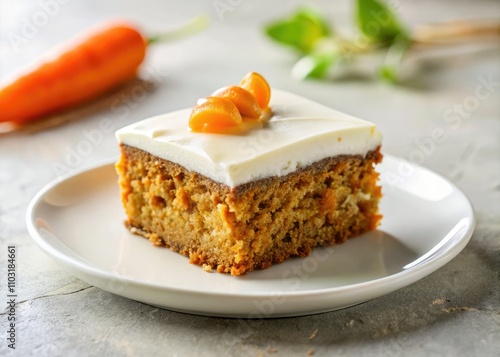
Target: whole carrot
pixel 100 62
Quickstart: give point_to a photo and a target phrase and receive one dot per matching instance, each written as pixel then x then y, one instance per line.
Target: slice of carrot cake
pixel 245 179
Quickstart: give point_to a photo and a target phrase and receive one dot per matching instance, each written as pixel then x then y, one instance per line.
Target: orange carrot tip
pixel 80 71
pixel 104 60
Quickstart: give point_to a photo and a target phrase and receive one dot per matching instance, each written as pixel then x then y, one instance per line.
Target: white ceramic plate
pixel 77 220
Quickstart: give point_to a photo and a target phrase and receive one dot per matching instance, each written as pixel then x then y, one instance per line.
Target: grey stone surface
pixel 453 312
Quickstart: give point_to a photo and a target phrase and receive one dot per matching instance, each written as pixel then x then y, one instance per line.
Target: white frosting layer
pixel 299 133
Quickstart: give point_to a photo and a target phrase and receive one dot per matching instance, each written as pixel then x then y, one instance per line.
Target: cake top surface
pixel 299 133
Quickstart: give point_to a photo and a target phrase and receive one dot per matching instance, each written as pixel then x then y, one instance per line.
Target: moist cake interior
pixel 253 225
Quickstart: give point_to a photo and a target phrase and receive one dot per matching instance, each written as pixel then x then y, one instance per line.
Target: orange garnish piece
pixel 243 99
pixel 214 115
pixel 258 86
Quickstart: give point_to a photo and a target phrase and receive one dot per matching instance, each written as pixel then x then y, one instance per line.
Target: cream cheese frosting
pixel 299 133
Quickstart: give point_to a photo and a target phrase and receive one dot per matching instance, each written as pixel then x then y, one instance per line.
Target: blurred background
pixel 433 81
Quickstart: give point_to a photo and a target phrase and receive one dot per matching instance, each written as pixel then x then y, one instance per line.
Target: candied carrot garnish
pixel 258 86
pixel 214 115
pixel 243 99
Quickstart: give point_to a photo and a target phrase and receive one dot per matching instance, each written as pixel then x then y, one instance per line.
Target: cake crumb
pixel 459 308
pixel 313 335
pixel 207 268
pixel 440 301
pixel 310 353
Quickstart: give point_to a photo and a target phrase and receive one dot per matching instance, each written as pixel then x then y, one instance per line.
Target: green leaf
pixel 300 31
pixel 388 74
pixel 313 66
pixel 377 22
pixel 194 26
pixel 390 71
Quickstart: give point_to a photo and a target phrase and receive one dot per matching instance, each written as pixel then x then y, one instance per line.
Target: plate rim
pixel 396 280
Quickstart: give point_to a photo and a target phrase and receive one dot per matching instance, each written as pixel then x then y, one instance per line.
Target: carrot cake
pixel 236 192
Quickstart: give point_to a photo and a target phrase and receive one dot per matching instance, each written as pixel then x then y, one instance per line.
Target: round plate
pixel 78 221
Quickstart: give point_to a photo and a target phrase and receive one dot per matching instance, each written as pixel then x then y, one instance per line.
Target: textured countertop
pixel 455 311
